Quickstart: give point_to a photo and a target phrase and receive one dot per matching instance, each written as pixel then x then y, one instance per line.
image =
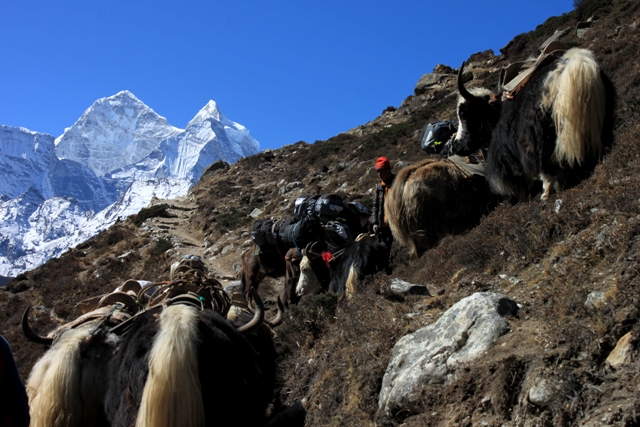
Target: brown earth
pixel 572 265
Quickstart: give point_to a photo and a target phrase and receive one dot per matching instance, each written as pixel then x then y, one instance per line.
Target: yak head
pixel 308 283
pixel 478 112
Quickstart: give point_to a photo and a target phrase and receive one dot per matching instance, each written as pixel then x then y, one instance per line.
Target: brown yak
pixel 435 198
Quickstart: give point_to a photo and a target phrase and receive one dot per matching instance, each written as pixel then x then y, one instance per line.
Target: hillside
pixel 571 263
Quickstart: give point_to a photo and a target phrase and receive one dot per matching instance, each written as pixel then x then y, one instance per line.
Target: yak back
pixel 364 257
pixel 237 371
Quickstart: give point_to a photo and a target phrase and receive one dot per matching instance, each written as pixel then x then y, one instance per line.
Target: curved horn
pixel 28 332
pixel 278 319
pixel 463 90
pixel 258 316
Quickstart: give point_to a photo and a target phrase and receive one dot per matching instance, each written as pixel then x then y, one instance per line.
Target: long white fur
pixel 172 394
pixel 576 94
pixel 58 396
pixel 351 286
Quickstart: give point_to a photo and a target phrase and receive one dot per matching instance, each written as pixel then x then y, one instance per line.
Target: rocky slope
pixel 570 264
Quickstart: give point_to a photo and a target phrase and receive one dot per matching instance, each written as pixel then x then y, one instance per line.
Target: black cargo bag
pixel 300 206
pixel 330 207
pixel 261 232
pixel 435 135
pixel 337 234
pixel 297 233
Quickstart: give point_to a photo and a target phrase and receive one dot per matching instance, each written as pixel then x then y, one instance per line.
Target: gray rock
pixel 542 394
pixel 427 81
pixel 234 287
pixel 582 28
pixel 403 288
pixel 432 354
pixel 595 300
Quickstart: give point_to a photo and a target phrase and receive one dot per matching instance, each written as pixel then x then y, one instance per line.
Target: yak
pixel 340 271
pixel 434 198
pixel 190 367
pixel 277 262
pixel 66 386
pixel 175 361
pixel 551 130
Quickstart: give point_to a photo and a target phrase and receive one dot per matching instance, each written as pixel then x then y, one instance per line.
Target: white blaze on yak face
pixel 462 125
pixel 308 283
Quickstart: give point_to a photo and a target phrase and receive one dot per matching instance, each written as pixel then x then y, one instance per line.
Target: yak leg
pixel 292 274
pixel 548 182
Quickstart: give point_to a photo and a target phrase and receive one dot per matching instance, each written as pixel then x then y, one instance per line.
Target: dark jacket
pixel 14 404
pixel 377 214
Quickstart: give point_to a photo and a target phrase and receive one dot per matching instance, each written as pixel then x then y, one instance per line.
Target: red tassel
pixel 327 257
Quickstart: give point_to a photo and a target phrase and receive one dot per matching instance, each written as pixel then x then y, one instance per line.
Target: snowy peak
pixel 25 158
pixel 56 193
pixel 208 112
pixel 114 132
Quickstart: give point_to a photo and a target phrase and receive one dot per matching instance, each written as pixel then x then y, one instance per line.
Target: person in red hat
pixel 379 224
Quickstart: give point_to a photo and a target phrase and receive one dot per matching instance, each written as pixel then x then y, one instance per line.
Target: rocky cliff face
pixel 567 349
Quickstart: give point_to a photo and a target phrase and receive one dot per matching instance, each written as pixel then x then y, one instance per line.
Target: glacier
pixel 58 192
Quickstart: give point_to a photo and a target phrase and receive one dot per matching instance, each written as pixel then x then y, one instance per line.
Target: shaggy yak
pixel 277 262
pixel 340 271
pixel 66 387
pixel 435 198
pixel 192 368
pixel 551 130
pixel 176 360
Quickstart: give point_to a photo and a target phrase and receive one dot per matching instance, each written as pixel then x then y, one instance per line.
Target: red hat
pixel 382 163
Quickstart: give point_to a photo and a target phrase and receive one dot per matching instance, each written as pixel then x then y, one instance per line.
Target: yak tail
pixel 172 394
pixel 351 285
pixel 55 383
pixel 407 202
pixel 400 205
pixel 577 95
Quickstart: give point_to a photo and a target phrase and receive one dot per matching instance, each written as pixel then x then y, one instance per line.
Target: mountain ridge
pixel 118 147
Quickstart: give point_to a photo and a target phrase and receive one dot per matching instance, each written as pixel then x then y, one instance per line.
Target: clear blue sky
pixel 287 70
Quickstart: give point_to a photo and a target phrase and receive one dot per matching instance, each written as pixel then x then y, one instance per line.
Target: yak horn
pixel 278 319
pixel 258 316
pixel 28 332
pixel 463 90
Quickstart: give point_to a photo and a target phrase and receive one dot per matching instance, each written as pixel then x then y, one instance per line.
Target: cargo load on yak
pixel 262 232
pixel 435 136
pixel 329 207
pixel 334 214
pixel 297 233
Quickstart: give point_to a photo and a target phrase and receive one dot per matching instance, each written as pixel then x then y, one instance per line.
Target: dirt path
pixel 188 241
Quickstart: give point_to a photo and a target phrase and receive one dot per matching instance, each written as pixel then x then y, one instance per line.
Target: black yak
pixel 340 271
pixel 553 130
pixel 190 367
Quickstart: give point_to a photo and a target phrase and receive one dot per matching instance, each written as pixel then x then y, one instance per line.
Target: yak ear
pixel 463 90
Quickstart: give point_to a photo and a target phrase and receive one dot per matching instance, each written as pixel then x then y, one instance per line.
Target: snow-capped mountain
pixel 58 192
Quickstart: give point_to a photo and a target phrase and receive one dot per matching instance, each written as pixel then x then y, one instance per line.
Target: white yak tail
pixel 55 383
pixel 576 93
pixel 172 394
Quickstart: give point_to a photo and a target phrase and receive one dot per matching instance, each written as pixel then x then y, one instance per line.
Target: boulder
pixel 432 354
